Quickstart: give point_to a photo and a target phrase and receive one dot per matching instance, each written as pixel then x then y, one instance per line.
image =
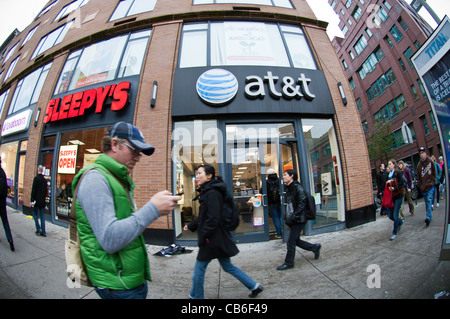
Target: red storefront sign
pixel 76 104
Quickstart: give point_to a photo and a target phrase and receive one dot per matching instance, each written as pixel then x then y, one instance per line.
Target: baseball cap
pixel 422 149
pixel 133 135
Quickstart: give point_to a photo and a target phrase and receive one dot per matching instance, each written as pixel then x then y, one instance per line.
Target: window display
pixel 77 149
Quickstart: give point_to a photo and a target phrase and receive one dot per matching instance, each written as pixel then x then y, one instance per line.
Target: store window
pixel 28 89
pixel 194 143
pixel 9 158
pixel 127 8
pixel 244 43
pixel 87 144
pixel 324 171
pixel 52 39
pixel 104 61
pixel 275 3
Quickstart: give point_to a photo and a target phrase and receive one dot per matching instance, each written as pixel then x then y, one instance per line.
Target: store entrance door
pixel 252 150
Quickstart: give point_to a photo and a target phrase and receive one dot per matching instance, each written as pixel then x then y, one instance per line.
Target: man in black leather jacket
pixel 295 219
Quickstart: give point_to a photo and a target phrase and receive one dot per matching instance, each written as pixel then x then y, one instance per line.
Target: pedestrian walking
pixel 426 176
pixel 381 184
pixel 109 224
pixel 396 185
pixel 409 183
pixel 39 192
pixel 296 202
pixel 3 213
pixel 214 241
pixel 443 179
pixel 273 196
pixel 437 182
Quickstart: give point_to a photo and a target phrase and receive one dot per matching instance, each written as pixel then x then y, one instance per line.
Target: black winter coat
pixel 296 196
pixel 39 190
pixel 214 240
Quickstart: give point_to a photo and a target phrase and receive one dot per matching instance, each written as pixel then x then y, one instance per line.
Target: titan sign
pixel 116 96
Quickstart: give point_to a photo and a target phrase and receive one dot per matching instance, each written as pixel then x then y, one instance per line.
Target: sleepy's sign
pixel 114 96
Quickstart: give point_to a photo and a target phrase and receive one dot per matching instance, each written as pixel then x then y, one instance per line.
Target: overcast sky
pixel 20 13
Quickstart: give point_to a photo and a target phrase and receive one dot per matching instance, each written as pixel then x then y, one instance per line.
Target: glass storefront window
pixel 87 144
pixel 244 43
pixel 9 157
pixel 324 170
pixel 104 61
pixel 194 143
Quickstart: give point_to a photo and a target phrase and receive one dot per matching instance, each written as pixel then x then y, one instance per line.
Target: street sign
pixel 407 135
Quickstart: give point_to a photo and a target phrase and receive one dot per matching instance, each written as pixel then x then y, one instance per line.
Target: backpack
pixel 310 208
pixel 230 213
pixel 273 193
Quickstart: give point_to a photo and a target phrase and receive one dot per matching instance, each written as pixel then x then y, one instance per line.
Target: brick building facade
pixel 380 38
pixel 66 73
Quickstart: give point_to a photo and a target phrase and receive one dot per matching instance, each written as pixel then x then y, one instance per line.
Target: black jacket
pixel 401 184
pixel 296 196
pixel 3 185
pixel 213 240
pixel 39 190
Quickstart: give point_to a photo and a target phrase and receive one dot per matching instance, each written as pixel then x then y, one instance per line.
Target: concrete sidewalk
pixel 409 266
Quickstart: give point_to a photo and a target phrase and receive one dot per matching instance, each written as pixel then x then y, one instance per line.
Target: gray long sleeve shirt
pixel 96 198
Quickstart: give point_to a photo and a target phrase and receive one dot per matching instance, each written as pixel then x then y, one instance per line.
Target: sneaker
pixel 257 291
pixel 437 204
pixel 393 237
pixel 427 221
pixel 285 266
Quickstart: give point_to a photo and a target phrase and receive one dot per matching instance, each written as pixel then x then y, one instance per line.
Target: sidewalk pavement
pixel 349 263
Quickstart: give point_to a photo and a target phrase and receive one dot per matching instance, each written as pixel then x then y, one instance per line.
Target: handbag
pixel 387 199
pixel 76 270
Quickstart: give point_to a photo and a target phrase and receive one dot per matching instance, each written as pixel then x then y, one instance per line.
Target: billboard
pixel 432 62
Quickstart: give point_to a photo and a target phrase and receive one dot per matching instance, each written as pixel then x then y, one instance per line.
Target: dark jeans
pixel 294 240
pixel 5 222
pixel 139 292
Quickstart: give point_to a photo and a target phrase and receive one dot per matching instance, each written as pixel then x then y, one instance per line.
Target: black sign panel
pixel 243 90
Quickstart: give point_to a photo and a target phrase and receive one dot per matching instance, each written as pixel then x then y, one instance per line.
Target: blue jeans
pixel 275 213
pixel 429 200
pixel 39 213
pixel 139 292
pixel 198 278
pixel 394 214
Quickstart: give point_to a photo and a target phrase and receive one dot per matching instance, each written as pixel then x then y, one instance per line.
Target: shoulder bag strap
pixel 73 232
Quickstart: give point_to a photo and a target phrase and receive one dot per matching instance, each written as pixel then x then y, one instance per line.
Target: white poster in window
pixel 326 184
pixel 67 161
pixel 246 42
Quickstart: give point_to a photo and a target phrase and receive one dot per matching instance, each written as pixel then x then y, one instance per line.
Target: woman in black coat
pixel 214 240
pixel 295 219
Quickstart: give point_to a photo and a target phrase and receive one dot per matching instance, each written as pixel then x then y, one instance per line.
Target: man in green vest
pixel 109 225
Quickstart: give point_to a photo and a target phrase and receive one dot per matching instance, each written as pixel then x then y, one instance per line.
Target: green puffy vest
pixel 129 267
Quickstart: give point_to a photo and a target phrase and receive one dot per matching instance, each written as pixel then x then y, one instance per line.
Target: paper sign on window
pixel 67 161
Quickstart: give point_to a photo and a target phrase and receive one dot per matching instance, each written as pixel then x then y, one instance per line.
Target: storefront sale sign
pixel 432 62
pixel 67 161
